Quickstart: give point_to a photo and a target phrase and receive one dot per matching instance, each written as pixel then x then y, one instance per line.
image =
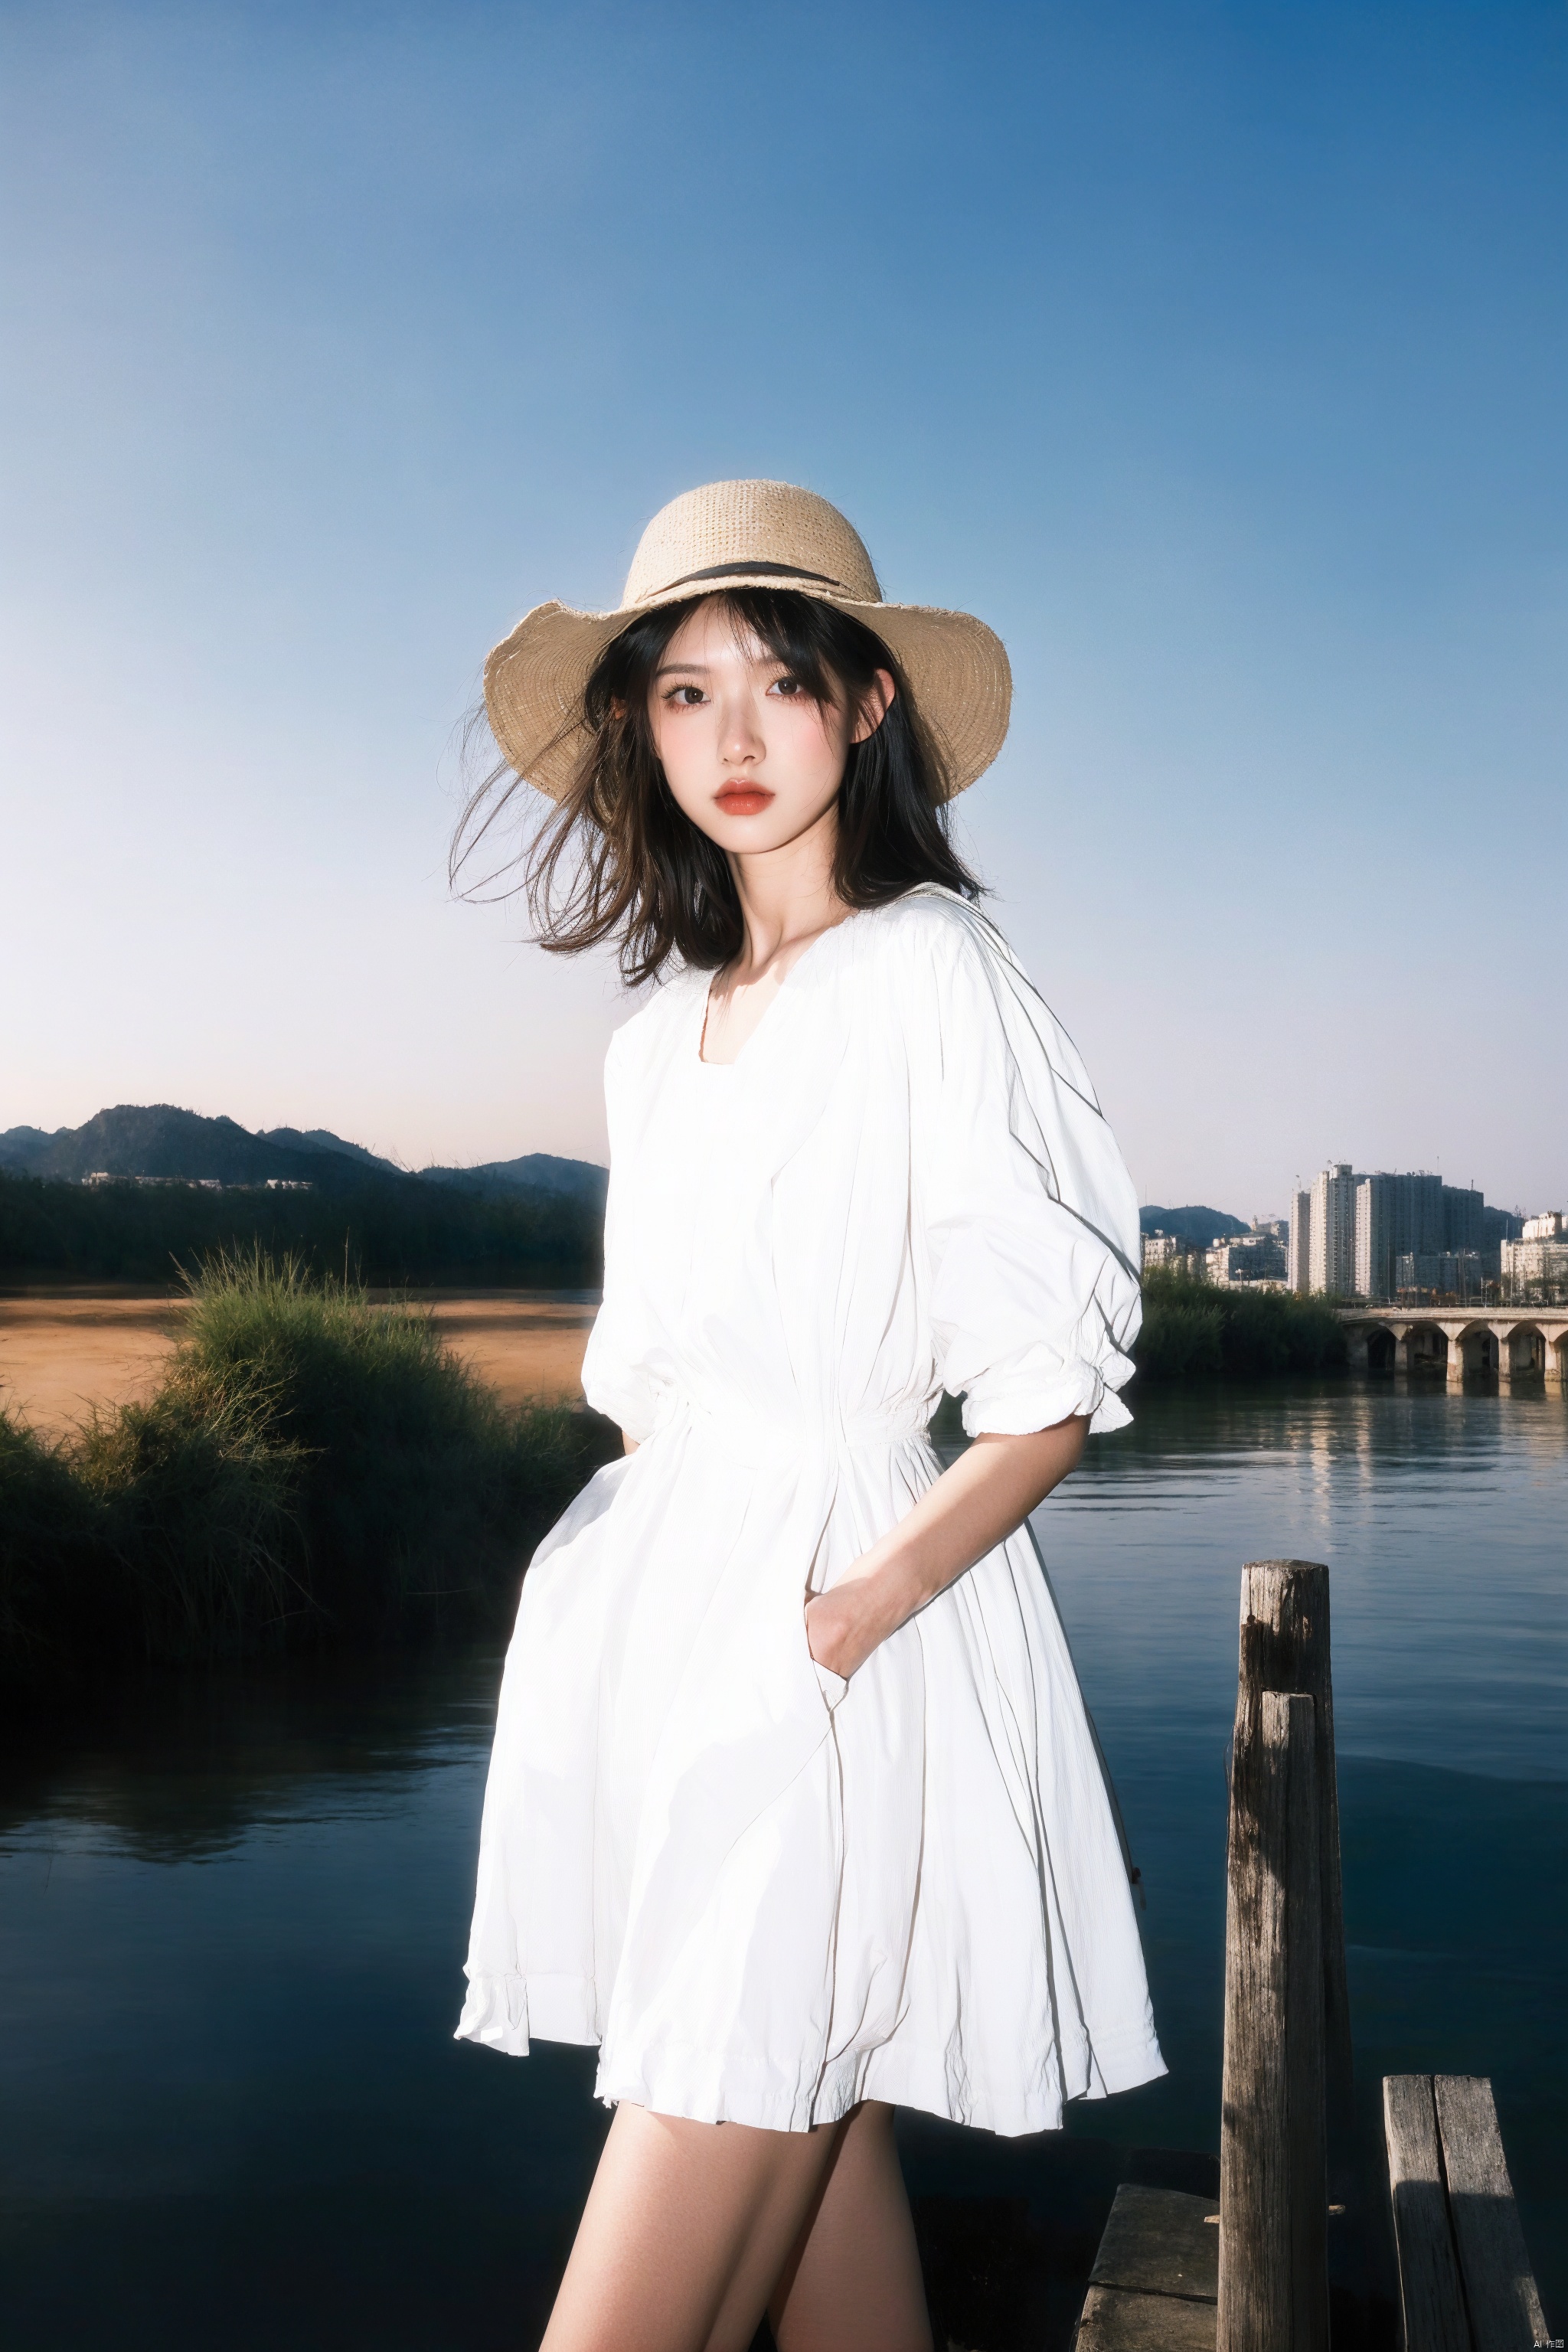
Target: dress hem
pixel 698 2084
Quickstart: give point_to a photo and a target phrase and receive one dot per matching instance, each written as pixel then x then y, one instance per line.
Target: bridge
pixel 1513 1343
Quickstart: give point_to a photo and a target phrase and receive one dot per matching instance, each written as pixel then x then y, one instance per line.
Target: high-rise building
pixel 1374 1197
pixel 1418 1215
pixel 1399 1216
pixel 1463 1218
pixel 1300 1276
pixel 1498 1226
pixel 1447 1274
pixel 1334 1229
pixel 1350 1233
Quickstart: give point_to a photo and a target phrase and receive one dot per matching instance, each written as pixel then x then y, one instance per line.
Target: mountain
pixel 536 1173
pixel 321 1138
pixel 21 1148
pixel 1195 1226
pixel 157 1139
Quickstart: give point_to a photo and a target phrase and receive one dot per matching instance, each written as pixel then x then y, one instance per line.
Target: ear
pixel 618 706
pixel 875 704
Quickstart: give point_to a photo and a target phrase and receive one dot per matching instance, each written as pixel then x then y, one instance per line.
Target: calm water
pixel 233 1909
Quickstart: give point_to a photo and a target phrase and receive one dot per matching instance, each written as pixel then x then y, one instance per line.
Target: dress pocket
pixel 832 1687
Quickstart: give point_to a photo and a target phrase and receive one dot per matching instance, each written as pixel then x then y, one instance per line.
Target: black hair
pixel 617 857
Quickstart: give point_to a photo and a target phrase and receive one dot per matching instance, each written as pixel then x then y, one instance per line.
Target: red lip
pixel 742 800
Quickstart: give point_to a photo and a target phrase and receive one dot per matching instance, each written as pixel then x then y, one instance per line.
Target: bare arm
pixel 975 1504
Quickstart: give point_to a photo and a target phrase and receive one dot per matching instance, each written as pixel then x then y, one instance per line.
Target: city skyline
pixel 1213 357
pixel 1377 1236
pixel 1369 1233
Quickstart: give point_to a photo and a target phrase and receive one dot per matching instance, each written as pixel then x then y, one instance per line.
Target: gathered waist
pixel 778 1439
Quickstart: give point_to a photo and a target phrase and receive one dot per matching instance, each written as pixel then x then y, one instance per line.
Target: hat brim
pixel 957 669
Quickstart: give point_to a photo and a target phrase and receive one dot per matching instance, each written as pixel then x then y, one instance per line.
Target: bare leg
pixel 852 2283
pixel 686 2228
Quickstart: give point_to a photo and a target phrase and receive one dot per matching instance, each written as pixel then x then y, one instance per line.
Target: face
pixel 749 756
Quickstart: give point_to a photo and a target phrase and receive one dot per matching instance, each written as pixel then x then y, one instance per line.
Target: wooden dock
pixel 1254 2276
pixel 1466 2284
pixel 1155 2279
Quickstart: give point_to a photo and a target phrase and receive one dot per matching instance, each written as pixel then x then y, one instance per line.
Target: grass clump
pixel 1191 1330
pixel 314 1468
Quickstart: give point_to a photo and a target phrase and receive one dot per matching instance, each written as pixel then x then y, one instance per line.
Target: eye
pixel 686 697
pixel 788 689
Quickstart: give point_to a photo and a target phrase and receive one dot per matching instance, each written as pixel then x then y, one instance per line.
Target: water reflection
pixel 1444 1520
pixel 180 1767
pixel 232 1911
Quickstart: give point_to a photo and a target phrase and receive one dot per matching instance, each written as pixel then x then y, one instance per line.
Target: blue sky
pixel 1214 353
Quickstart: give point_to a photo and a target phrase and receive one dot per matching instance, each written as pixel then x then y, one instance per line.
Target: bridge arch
pixel 1523 1347
pixel 1422 1348
pixel 1472 1348
pixel 1507 1342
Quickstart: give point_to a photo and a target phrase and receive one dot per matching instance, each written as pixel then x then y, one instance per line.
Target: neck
pixel 786 894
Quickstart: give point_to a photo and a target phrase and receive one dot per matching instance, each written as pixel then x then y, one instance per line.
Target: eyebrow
pixel 703 669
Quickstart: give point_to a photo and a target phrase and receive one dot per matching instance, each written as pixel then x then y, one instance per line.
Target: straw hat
pixel 746 535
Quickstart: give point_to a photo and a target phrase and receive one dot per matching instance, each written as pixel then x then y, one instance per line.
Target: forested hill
pixel 1195 1226
pixel 182 1186
pixel 539 1172
pixel 155 1140
pixel 158 1140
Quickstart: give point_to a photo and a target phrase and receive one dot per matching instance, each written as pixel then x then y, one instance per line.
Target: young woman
pixel 795 1808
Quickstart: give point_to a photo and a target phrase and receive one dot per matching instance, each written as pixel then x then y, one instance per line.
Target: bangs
pixel 828 653
pixel 789 629
pixel 616 859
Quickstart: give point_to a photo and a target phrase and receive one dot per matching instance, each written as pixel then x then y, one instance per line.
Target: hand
pixel 975 1504
pixel 844 1626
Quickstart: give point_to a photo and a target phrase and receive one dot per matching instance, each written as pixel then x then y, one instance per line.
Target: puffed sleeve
pixel 616 1379
pixel 1030 1217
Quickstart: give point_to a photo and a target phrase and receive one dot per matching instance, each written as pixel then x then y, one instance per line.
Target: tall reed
pixel 313 1468
pixel 1193 1328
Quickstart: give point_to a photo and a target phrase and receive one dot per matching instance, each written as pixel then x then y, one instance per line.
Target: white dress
pixel 764 1892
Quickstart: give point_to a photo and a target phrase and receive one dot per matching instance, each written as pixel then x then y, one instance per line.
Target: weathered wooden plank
pixel 1116 2319
pixel 1432 2302
pixel 1284 1645
pixel 1273 2229
pixel 1157 2241
pixel 1500 2287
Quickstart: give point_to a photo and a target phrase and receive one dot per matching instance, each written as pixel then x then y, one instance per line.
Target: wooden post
pixel 1284 1648
pixel 1273 2197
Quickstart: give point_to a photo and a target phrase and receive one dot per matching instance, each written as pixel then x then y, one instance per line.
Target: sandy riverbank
pixel 63 1353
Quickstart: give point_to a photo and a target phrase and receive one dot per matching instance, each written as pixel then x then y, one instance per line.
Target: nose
pixel 739 741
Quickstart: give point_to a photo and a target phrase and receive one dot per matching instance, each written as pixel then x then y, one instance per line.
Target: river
pixel 233 1909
